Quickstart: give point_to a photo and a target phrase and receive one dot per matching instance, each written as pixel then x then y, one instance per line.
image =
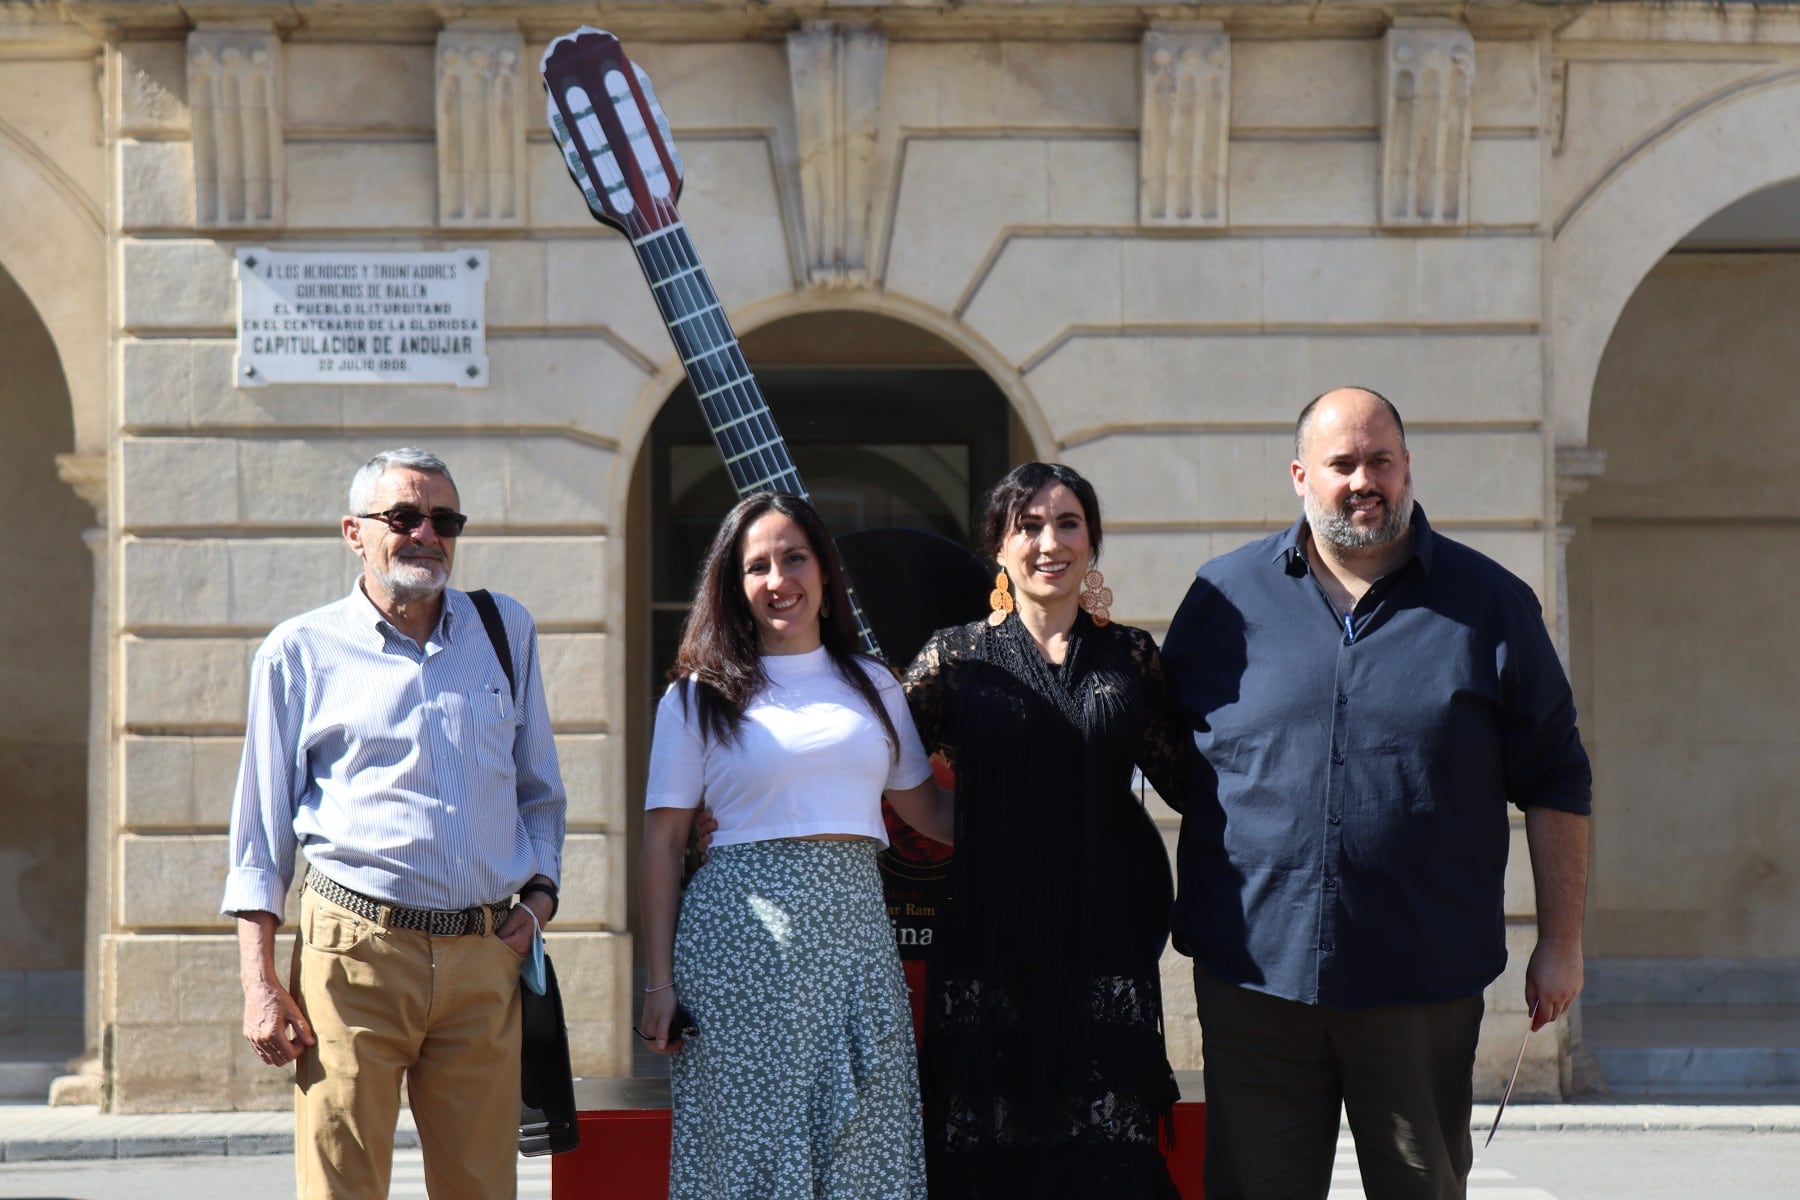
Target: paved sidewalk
pixel 35 1133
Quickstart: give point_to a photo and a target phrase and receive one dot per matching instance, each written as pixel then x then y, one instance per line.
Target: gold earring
pixel 1000 599
pixel 1096 597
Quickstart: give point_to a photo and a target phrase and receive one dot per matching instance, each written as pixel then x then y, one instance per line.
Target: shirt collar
pixel 1290 549
pixel 363 612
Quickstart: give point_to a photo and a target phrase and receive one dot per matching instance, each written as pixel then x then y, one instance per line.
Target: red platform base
pixel 624 1151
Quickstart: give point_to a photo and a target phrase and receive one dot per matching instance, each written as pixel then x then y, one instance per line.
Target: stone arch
pixel 751 317
pixel 53 244
pixel 1714 152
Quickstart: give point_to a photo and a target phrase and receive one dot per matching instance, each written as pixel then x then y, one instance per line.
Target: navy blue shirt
pixel 1346 844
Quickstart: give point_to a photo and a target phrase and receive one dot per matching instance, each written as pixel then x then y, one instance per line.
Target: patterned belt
pixel 481 919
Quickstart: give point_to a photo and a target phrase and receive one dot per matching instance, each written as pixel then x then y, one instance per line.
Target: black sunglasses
pixel 444 523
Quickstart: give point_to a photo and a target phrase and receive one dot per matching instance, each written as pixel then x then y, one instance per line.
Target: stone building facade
pixel 1134 237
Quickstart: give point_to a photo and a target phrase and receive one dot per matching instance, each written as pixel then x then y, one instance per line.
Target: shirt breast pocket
pixel 490 728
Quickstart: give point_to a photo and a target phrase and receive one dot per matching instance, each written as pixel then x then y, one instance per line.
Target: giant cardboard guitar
pixel 616 143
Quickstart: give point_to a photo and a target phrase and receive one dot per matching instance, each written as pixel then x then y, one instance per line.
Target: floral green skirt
pixel 802 1082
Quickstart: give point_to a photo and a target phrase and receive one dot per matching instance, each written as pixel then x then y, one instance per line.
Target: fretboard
pixel 756 456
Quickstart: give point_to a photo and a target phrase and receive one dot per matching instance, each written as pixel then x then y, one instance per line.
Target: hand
pixel 705 825
pixel 274 1024
pixel 1553 979
pixel 517 929
pixel 654 1021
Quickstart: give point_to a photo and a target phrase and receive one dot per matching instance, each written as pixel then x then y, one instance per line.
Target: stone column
pixel 1576 466
pixel 86 474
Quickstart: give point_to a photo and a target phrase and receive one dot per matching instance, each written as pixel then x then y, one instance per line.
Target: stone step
pixel 1741 1050
pixel 28 1081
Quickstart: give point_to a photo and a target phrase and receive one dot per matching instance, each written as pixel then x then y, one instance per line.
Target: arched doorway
pixel 1681 578
pixel 888 424
pixel 44 637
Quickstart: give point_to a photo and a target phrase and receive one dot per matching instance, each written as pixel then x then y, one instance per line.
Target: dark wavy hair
pixel 1008 498
pixel 719 650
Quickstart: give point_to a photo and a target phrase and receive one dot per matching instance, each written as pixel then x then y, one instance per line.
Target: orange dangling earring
pixel 1096 597
pixel 1000 599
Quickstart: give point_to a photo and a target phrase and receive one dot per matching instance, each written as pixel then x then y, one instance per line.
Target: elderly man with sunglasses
pixel 421 786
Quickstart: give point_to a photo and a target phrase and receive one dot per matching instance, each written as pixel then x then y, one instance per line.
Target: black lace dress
pixel 1043 1070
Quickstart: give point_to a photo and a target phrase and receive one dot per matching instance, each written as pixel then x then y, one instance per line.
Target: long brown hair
pixel 719 650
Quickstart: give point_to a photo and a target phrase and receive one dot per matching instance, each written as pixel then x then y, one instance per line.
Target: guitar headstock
pixel 614 137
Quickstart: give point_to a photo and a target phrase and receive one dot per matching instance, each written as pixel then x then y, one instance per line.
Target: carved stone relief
pixel 1185 130
pixel 235 99
pixel 1427 86
pixel 835 73
pixel 480 128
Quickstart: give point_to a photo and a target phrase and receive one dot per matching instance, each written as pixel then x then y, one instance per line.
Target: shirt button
pixel 1325 946
pixel 1334 819
pixel 1337 758
pixel 1331 883
pixel 1343 699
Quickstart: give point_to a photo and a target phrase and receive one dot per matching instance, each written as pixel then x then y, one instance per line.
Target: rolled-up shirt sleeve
pixel 543 801
pixel 1546 765
pixel 271 779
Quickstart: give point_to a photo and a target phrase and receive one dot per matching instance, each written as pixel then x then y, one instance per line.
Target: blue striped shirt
pixel 406 774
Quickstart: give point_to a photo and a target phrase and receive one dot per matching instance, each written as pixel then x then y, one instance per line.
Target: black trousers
pixel 1277 1072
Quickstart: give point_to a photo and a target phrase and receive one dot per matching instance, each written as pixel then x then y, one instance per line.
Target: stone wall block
pixel 595 805
pixel 835 76
pixel 384 185
pixel 1357 281
pixel 202 583
pixel 596 281
pixel 574 670
pixel 151 82
pixel 206 979
pixel 563 481
pixel 991 183
pixel 1520 551
pixel 1428 85
pixel 1295 182
pixel 1039 286
pixel 1520 890
pixel 1299 84
pixel 516 285
pixel 156 185
pixel 1149 571
pixel 1201 282
pixel 587 881
pixel 562 580
pixel 593 971
pixel 1505 181
pixel 172 1067
pixel 234 84
pixel 1511 95
pixel 143 965
pixel 1248 378
pixel 174 583
pixel 172 284
pixel 1184 134
pixel 481 101
pixel 172 881
pixel 186 682
pixel 376 86
pixel 177 481
pixel 174 782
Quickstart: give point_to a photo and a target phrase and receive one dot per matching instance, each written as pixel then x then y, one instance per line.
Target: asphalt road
pixel 1521 1165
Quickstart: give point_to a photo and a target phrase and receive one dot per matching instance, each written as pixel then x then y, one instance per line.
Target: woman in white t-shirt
pixel 794 1072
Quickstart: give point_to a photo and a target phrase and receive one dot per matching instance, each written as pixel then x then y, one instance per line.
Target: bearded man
pixel 1368 697
pixel 421 784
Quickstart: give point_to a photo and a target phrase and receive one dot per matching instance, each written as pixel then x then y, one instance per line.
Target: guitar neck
pixel 756 455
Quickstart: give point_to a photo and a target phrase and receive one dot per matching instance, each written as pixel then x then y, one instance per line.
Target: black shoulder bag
pixel 547 1123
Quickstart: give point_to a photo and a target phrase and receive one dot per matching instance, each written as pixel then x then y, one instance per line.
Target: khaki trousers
pixel 442 1012
pixel 1278 1073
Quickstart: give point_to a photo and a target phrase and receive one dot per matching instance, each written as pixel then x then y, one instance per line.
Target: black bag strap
pixel 496 631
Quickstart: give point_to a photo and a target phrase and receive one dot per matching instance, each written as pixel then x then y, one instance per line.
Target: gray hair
pixel 411 458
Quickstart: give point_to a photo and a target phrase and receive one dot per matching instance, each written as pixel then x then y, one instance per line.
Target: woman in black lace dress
pixel 1043 1069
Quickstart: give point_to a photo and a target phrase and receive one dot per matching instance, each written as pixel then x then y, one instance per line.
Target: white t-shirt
pixel 810 756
